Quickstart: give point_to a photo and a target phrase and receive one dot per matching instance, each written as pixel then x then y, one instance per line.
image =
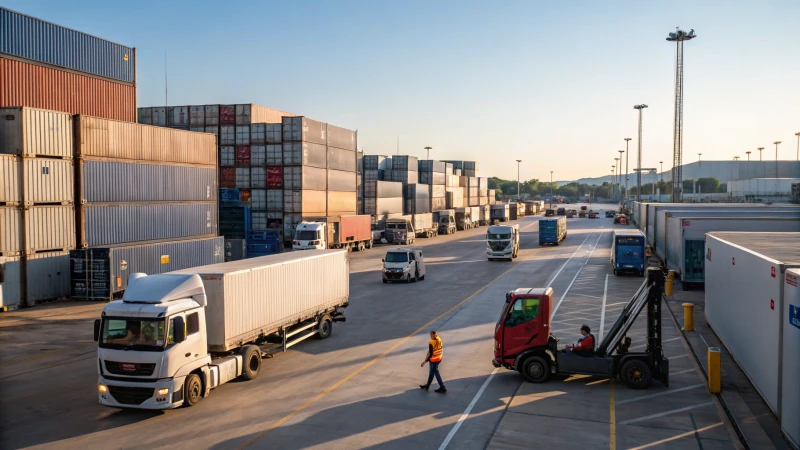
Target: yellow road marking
pixel 42 355
pixel 613 432
pixel 330 389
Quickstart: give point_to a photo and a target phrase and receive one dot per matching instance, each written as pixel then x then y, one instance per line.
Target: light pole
pixel 518 161
pixel 627 171
pixel 639 158
pixel 611 187
pixel 748 155
pixel 760 149
pixel 735 158
pixel 551 189
pixel 678 37
pixel 626 175
pixel 662 170
pixel 798 145
pixel 429 151
pixel 618 174
pixel 776 157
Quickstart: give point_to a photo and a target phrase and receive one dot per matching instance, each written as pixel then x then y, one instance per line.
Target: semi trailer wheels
pixel 325 327
pixel 251 359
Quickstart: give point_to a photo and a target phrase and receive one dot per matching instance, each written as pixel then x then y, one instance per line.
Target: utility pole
pixel 518 161
pixel 626 176
pixel 748 155
pixel 679 36
pixel 429 152
pixel 639 159
pixel 627 171
pixel 776 157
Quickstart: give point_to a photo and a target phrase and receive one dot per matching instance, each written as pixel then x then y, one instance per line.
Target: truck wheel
pixel 251 360
pixel 325 327
pixel 416 276
pixel 369 244
pixel 361 246
pixel 192 390
pixel 535 369
pixel 635 374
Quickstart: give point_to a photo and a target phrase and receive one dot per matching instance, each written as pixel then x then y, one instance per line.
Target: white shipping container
pixel 178 116
pixel 258 199
pixel 258 155
pixel 242 177
pixel 49 228
pixel 10 230
pixel 258 133
pixel 10 282
pixel 258 296
pixel 159 116
pixel 197 116
pixel 790 405
pixel 274 133
pixel 212 114
pixel 145 116
pixel 258 177
pixel 9 180
pixel 227 135
pixel 35 132
pixel 48 180
pixel 47 276
pixel 242 134
pixel 243 114
pixel 744 302
pixel 275 154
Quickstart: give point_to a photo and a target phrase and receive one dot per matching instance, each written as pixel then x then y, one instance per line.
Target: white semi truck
pixel 502 242
pixel 174 337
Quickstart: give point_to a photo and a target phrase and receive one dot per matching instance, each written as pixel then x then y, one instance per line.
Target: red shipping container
pixel 243 155
pixel 274 177
pixel 227 114
pixel 245 195
pixel 227 177
pixel 26 84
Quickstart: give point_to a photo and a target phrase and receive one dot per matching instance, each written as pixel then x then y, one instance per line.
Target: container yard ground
pixel 751 415
pixel 359 388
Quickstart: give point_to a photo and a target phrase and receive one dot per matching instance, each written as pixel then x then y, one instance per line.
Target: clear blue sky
pixel 551 83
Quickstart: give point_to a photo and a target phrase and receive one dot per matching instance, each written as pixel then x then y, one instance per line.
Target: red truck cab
pixel 523 326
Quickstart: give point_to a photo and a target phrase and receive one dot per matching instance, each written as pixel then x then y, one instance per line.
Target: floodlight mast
pixel 679 36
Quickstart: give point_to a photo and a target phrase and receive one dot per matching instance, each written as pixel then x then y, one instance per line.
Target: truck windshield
pixel 493 236
pixel 306 235
pixel 133 334
pixel 396 257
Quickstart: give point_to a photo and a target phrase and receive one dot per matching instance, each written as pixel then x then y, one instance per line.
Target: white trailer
pixel 744 304
pixel 175 336
pixel 790 406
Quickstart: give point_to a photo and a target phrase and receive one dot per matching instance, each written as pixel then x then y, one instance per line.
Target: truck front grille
pixel 130 395
pixel 142 369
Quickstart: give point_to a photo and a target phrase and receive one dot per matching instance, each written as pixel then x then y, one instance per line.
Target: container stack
pixel 360 183
pixel 417 198
pixel 375 168
pixel 434 174
pixel 492 197
pixel 43 65
pixel 383 198
pixel 454 193
pixel 483 191
pixel 37 215
pixel 469 169
pixel 404 170
pixel 473 191
pixel 147 203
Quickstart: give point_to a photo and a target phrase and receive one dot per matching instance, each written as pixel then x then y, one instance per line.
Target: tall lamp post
pixel 639 158
pixel 760 154
pixel 551 189
pixel 611 187
pixel 748 155
pixel 626 175
pixel 627 171
pixel 429 151
pixel 518 161
pixel 618 174
pixel 678 37
pixel 735 158
pixel 776 157
pixel 798 145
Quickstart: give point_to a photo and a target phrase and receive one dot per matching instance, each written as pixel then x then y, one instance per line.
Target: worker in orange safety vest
pixel 434 358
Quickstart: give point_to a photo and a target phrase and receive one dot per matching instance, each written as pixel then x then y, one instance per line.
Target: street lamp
pixel 735 158
pixel 611 186
pixel 698 156
pixel 618 175
pixel 776 157
pixel 429 152
pixel 748 155
pixel 518 161
pixel 798 145
pixel 639 158
pixel 626 173
pixel 760 149
pixel 551 189
pixel 662 170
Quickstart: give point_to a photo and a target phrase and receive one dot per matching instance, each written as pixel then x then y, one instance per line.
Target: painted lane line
pixel 683 371
pixel 676 437
pixel 659 394
pixel 467 411
pixel 665 413
pixel 573 278
pixel 561 299
pixel 550 283
pixel 603 310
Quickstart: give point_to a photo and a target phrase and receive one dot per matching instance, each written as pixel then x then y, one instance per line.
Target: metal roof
pixel 783 247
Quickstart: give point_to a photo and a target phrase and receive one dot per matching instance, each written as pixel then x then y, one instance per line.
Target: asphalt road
pixel 359 388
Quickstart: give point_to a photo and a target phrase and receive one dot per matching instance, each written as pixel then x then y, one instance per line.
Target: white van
pixel 403 264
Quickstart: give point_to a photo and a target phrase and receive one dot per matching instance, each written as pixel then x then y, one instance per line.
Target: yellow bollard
pixel 668 284
pixel 688 317
pixel 714 376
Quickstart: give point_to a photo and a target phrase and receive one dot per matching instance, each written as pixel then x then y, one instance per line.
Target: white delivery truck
pixel 175 336
pixel 502 242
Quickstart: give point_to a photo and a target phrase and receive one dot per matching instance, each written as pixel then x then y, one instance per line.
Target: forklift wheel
pixel 535 369
pixel 635 374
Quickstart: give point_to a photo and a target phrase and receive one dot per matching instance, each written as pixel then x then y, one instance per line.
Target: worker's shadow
pixel 433 414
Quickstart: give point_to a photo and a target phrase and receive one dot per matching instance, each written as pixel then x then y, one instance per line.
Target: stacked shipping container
pixel 434 174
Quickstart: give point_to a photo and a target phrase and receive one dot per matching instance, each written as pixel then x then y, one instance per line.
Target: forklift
pixel 523 341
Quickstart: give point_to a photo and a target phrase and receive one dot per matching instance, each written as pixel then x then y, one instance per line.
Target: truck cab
pixel 446 220
pixel 403 264
pixel 310 236
pixel 628 252
pixel 399 231
pixel 502 242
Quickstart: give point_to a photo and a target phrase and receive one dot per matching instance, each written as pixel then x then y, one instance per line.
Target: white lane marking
pixel 567 262
pixel 683 371
pixel 659 394
pixel 603 310
pixel 665 413
pixel 565 294
pixel 704 340
pixel 467 411
pixel 576 275
pixel 678 357
pixel 645 345
pixel 590 296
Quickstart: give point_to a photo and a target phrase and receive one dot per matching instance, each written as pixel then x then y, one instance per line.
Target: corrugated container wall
pixel 10 231
pixel 49 228
pixel 35 132
pixel 47 276
pixel 10 193
pixel 127 181
pixel 32 85
pixel 256 296
pixel 34 39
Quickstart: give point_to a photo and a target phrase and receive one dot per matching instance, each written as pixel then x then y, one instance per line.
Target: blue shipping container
pixel 36 40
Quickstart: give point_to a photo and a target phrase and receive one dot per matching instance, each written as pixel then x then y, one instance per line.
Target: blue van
pixel 628 252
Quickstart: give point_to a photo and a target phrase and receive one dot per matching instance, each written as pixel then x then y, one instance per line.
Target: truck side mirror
pixel 383 260
pixel 96 330
pixel 178 329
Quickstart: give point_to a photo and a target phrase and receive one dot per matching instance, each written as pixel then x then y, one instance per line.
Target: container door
pixel 693 253
pixel 520 326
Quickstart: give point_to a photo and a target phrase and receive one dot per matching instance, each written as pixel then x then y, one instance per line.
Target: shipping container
pixel 377 162
pixel 274 177
pixel 227 177
pixel 745 275
pixel 457 165
pixel 103 138
pixel 227 114
pixel 34 132
pixel 305 154
pixel 243 114
pixel 227 156
pixel 49 228
pixel 422 221
pixel 383 189
pixel 10 193
pixel 258 177
pixel 211 115
pixel 46 181
pixel 375 175
pixel 403 176
pixel 34 39
pixel 790 362
pixel 101 273
pixel 242 156
pixel 501 212
pixel 212 129
pixel 46 276
pixel 197 116
pixel 144 116
pixel 341 138
pixel 430 165
pixel 341 181
pixel 242 134
pixel 344 160
pixel 438 203
pixel 242 176
pixel 36 86
pixel 304 129
pixel 133 222
pixel 10 282
pixel 159 116
pixel 310 178
pixel 258 199
pixel 258 155
pixel 234 314
pixel 227 195
pixel 274 154
pixel 405 163
pixel 235 249
pixel 178 116
pixel 258 134
pixel 379 206
pixel 432 178
pixel 305 202
pixel 106 181
pixel 341 203
pixel 274 201
pixel 11 227
pixel 227 135
pixel 274 133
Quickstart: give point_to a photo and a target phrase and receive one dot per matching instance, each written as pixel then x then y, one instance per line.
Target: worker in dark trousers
pixel 434 358
pixel 585 345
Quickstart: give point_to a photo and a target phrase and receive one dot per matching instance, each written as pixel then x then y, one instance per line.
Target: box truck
pixel 174 337
pixel 627 252
pixel 552 231
pixel 347 232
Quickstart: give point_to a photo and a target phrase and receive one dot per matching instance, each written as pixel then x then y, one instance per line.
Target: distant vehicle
pixel 583 208
pixel 501 212
pixel 610 214
pixel 502 242
pixel 561 211
pixel 628 252
pixel 399 231
pixel 572 211
pixel 582 213
pixel 570 215
pixel 347 232
pixel 617 218
pixel 446 219
pixel 552 231
pixel 403 264
pixel 549 213
pixel 594 215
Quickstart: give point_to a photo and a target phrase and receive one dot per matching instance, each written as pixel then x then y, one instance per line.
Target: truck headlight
pixel 102 388
pixel 163 391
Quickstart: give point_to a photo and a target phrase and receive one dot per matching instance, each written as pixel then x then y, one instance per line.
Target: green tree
pixel 707 185
pixel 688 186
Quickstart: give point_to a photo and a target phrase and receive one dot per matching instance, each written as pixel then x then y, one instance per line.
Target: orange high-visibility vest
pixel 436 349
